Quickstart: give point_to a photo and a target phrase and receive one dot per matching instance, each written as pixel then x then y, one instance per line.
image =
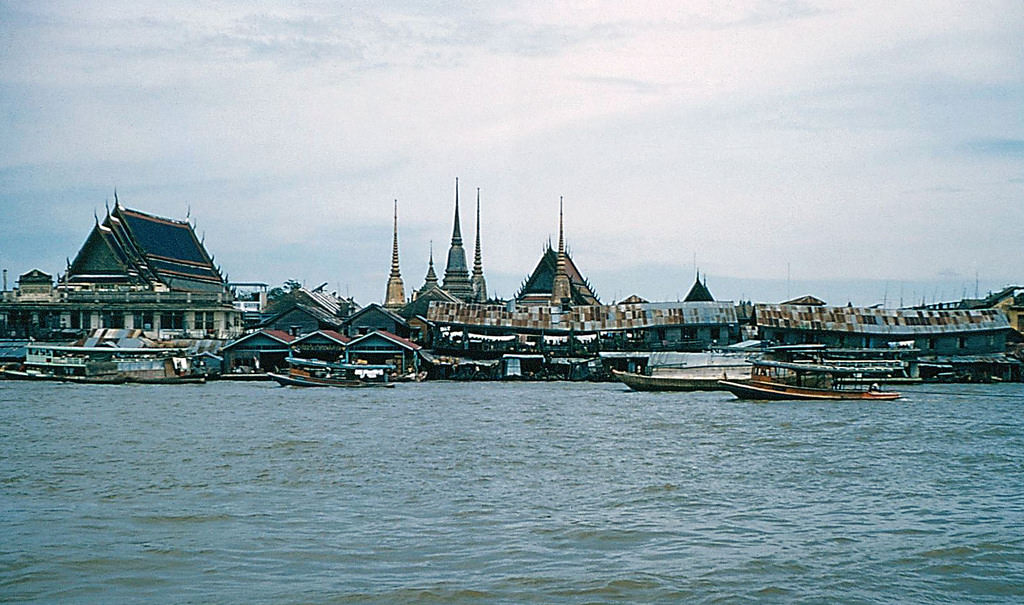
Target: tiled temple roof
pixel 135 248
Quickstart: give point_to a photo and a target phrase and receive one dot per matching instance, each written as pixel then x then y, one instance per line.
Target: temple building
pixel 556 280
pixel 395 297
pixel 456 275
pixel 699 291
pixel 134 271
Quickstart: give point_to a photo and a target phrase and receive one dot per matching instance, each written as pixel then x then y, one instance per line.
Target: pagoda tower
pixel 396 289
pixel 456 275
pixel 430 281
pixel 477 281
pixel 560 287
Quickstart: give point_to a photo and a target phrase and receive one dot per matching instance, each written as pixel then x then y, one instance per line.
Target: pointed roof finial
pixel 457 229
pixel 431 278
pixel 561 289
pixel 561 232
pixel 394 251
pixel 116 201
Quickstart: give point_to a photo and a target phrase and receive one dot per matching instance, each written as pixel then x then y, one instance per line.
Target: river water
pixel 507 493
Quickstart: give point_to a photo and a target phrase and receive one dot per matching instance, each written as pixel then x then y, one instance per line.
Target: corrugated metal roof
pixel 896 322
pixel 596 318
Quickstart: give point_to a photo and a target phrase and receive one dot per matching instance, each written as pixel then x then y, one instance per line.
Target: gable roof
pixel 328 334
pixel 806 300
pixel 35 276
pixel 420 304
pixel 379 308
pixel 398 340
pixel 132 247
pixel 276 335
pixel 539 285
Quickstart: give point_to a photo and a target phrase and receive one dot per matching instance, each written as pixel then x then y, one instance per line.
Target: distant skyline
pixel 863 152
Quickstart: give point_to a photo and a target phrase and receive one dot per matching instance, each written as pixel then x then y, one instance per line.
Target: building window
pixel 172 320
pixel 143 320
pixel 961 342
pixel 112 319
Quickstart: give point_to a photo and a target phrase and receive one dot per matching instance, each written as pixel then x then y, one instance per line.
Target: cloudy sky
pixel 864 150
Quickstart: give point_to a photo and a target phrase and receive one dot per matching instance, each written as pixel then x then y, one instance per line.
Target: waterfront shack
pixel 260 351
pixel 381 347
pixel 325 345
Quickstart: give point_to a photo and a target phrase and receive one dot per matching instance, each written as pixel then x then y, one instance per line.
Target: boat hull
pixel 640 382
pixel 304 381
pixel 770 391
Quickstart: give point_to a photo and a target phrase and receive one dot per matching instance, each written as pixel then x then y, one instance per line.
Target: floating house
pixel 260 351
pixel 326 345
pixel 492 330
pixel 963 343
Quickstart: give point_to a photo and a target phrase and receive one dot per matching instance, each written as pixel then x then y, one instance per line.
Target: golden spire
pixel 560 288
pixel 396 289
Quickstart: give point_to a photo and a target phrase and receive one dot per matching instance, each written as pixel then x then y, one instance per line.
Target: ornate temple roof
pixel 699 291
pixel 536 289
pixel 134 248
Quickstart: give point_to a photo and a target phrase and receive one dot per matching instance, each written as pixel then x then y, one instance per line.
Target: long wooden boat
pixel 316 373
pixel 108 379
pixel 298 380
pixel 200 379
pixel 775 381
pixel 641 382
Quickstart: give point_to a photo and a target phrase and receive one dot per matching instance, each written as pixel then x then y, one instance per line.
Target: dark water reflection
pixel 510 493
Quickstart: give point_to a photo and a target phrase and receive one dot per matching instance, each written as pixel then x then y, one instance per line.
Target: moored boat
pixel 315 373
pixel 668 382
pixel 773 380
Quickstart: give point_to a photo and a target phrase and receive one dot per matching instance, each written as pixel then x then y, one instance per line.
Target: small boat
pixel 666 382
pixel 10 374
pixel 775 380
pixel 316 373
pixel 189 379
pixel 104 379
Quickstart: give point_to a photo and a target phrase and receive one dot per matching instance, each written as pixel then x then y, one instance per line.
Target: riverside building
pixel 134 271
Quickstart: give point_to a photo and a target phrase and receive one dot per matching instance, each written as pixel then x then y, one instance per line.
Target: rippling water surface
pixel 515 493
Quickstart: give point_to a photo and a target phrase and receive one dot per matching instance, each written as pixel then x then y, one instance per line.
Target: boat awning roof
pixel 809 367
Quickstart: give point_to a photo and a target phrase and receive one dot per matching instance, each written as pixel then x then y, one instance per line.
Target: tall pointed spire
pixel 456 275
pixel 560 288
pixel 479 284
pixel 431 278
pixel 396 289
